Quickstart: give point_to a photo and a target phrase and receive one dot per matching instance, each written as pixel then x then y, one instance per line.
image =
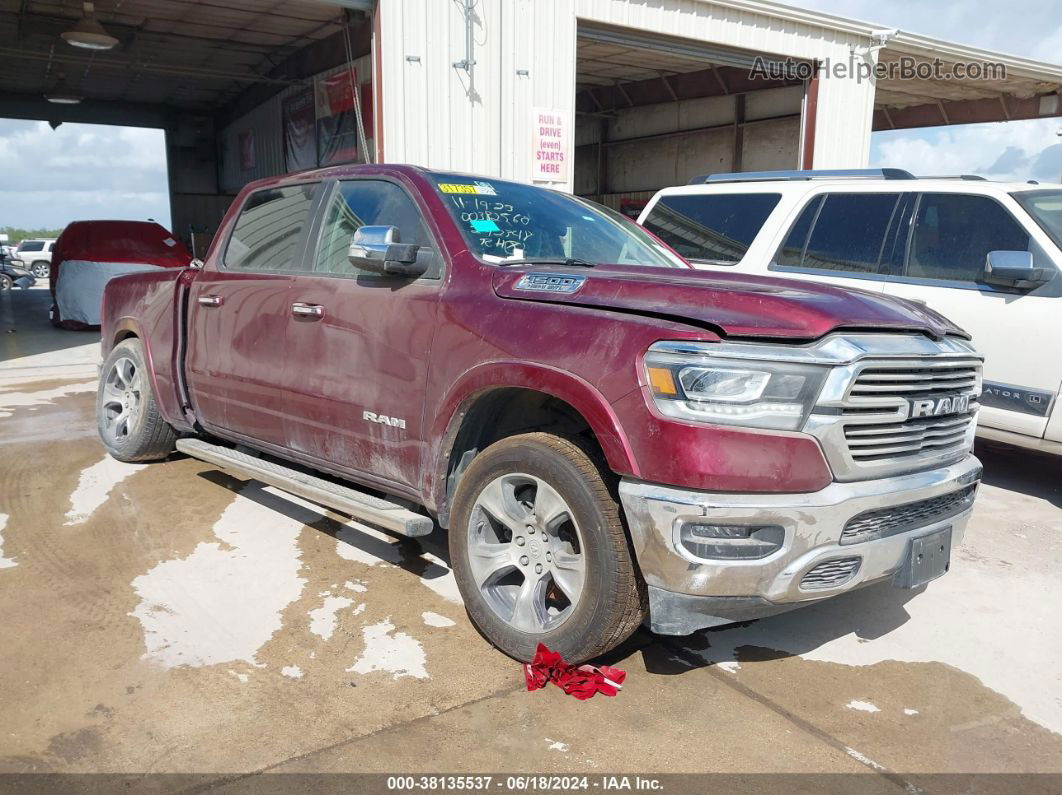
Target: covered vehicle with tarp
pixel 89 254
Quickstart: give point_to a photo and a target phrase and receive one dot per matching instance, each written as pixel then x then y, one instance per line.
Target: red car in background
pixel 89 254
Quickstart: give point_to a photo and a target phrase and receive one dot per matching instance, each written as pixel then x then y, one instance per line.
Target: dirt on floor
pixel 169 618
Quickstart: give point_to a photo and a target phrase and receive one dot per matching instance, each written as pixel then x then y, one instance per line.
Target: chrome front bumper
pixel 689 593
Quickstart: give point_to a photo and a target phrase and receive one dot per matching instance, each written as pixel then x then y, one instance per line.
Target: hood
pixel 733 304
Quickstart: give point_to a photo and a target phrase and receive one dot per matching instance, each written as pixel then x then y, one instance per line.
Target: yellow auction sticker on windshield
pixel 481 188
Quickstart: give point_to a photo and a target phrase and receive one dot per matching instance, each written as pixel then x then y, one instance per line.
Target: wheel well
pixel 501 412
pixel 122 335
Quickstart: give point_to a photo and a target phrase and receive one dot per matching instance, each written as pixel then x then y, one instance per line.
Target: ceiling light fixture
pixel 88 33
pixel 61 93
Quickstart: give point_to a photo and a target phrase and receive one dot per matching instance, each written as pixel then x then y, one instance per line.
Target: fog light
pixel 730 542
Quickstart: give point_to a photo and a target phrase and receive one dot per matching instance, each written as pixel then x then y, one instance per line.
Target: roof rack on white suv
pixel 822 173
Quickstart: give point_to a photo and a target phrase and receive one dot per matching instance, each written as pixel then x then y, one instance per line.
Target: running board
pixel 360 505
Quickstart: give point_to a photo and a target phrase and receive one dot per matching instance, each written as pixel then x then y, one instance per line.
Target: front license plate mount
pixel 928 557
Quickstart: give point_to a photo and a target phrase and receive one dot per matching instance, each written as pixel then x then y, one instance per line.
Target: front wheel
pixel 128 419
pixel 6 283
pixel 540 553
pixel 41 269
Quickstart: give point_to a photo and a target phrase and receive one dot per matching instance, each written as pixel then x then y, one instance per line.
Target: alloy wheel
pixel 526 553
pixel 121 399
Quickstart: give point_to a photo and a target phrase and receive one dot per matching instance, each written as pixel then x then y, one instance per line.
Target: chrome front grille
pixel 830 573
pixel 886 415
pixel 885 522
pixel 881 427
pixel 915 382
pixel 870 442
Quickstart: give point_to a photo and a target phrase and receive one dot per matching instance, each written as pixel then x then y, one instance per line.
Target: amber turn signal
pixel 662 382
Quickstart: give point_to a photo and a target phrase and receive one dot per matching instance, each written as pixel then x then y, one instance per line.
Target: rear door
pixel 1018 331
pixel 843 238
pixel 712 229
pixel 360 341
pixel 239 312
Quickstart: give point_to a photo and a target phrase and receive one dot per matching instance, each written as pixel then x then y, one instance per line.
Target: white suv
pixel 985 254
pixel 37 254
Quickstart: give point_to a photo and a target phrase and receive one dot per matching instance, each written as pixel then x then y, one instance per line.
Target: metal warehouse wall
pixel 431 117
pixel 652 146
pixel 265 123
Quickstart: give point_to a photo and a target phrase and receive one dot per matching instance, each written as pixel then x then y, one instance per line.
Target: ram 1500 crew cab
pixel 607 435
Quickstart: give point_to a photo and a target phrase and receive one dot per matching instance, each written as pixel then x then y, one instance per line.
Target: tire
pixel 41 269
pixel 127 416
pixel 516 561
pixel 6 283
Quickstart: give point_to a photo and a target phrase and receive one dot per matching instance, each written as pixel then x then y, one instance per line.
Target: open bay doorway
pixel 52 174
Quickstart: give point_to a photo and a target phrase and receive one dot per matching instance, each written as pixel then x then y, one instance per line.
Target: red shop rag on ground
pixel 581 681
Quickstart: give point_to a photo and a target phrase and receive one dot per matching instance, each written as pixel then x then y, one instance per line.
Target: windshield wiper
pixel 569 262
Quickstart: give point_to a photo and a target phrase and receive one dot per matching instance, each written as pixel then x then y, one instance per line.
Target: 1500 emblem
pixel 938 407
pixel 383 419
pixel 550 282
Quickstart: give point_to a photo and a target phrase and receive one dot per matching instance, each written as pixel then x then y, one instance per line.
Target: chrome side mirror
pixel 1015 269
pixel 377 249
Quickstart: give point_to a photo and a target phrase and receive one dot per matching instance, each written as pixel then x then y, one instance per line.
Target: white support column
pixel 845 111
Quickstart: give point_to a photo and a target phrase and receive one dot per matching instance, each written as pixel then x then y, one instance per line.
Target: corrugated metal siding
pixel 265 122
pixel 199 214
pixel 845 106
pixel 430 118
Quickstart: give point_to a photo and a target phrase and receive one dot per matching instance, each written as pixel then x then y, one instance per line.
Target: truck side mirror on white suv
pixel 1015 269
pixel 376 249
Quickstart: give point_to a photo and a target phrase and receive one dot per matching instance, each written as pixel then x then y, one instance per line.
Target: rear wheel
pixel 5 282
pixel 539 550
pixel 127 416
pixel 41 269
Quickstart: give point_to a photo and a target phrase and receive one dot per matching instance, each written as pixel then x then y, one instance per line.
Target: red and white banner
pixel 337 124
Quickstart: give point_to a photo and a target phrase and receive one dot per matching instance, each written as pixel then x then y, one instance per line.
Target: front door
pixel 359 343
pixel 238 317
pixel 1017 331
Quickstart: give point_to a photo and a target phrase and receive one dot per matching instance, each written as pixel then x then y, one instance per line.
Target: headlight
pixel 691 383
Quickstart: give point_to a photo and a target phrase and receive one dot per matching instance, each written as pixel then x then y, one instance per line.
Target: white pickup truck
pixel 985 254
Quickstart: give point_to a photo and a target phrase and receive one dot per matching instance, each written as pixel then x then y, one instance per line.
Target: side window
pixel 360 203
pixel 269 229
pixel 791 254
pixel 953 233
pixel 33 245
pixel 713 228
pixel 849 233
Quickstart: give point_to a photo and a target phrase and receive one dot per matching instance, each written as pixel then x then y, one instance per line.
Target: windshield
pixel 1045 206
pixel 507 222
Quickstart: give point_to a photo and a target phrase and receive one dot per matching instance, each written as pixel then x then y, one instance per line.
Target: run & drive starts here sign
pixel 549 158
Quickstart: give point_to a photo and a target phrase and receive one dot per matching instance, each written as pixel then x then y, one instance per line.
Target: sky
pixel 1017 150
pixel 49 178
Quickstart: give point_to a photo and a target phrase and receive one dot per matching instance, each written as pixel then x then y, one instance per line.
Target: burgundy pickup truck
pixel 608 435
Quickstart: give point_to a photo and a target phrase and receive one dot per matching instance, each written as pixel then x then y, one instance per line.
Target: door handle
pixel 210 300
pixel 311 311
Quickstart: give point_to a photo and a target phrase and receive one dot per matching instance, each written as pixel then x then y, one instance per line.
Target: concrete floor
pixel 170 618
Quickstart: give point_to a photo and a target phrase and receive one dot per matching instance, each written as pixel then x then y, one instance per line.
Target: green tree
pixel 15 234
